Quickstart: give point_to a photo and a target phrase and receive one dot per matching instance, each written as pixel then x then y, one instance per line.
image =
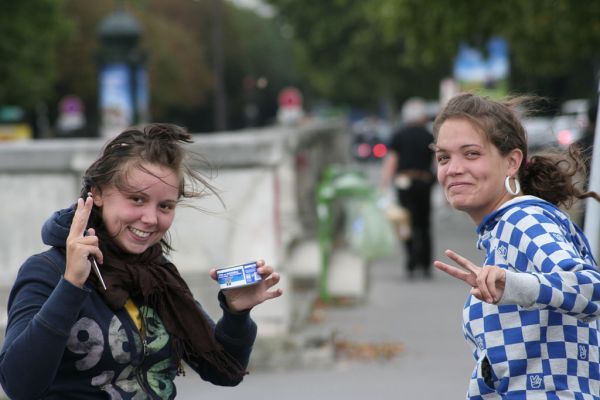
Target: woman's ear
pixel 514 159
pixel 97 195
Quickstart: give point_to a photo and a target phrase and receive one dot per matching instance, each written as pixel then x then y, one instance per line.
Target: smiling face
pixel 471 170
pixel 138 218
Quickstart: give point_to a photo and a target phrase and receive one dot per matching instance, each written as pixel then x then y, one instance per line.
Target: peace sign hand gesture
pixel 487 283
pixel 81 245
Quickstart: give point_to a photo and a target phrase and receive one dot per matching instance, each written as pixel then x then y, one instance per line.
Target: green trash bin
pixel 348 193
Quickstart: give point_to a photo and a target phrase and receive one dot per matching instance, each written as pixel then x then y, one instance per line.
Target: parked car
pixel 560 130
pixel 370 139
pixel 539 132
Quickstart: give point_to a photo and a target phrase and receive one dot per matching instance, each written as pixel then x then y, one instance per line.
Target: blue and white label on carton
pixel 238 275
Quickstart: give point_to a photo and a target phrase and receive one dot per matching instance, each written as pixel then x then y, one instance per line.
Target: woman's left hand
pixel 244 298
pixel 487 283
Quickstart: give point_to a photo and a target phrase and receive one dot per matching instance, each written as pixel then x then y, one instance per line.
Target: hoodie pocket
pixel 486 372
pixel 483 379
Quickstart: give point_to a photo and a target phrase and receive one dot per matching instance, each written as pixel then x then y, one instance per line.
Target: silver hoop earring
pixel 509 189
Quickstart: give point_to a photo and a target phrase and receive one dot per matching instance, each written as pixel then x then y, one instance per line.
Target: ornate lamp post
pixel 122 77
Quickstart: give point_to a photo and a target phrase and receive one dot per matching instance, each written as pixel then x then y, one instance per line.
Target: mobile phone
pixel 92 258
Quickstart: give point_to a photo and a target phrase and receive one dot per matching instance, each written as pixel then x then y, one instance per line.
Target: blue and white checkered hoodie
pixel 541 339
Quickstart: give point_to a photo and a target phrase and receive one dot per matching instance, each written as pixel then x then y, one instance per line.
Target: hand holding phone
pixel 82 245
pixel 96 269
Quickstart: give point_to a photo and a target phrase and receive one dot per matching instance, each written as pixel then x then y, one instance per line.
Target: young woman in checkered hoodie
pixel 531 317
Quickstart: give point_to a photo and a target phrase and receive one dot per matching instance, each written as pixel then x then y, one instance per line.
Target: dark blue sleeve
pixel 42 308
pixel 236 332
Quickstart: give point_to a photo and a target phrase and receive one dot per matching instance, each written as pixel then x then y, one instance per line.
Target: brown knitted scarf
pixel 149 275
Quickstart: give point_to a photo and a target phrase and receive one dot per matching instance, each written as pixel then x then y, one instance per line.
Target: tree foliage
pixel 347 45
pixel 340 47
pixel 259 64
pixel 346 51
pixel 49 49
pixel 176 41
pixel 30 33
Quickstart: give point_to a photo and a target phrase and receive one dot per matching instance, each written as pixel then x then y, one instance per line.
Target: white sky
pixel 257 5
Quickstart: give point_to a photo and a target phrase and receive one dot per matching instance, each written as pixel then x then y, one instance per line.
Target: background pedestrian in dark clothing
pixel 408 167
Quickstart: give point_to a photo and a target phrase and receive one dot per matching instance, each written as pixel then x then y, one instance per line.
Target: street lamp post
pixel 122 77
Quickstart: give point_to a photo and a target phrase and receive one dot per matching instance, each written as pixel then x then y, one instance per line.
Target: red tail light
pixel 363 150
pixel 380 150
pixel 565 137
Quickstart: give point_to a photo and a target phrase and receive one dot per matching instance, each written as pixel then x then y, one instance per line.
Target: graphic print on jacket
pixel 146 367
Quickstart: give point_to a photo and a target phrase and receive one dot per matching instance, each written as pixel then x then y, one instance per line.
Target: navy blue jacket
pixel 64 342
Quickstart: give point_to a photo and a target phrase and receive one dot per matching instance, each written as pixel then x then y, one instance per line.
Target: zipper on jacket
pixel 145 352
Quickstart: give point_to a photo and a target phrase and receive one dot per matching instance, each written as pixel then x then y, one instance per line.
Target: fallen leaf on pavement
pixel 367 351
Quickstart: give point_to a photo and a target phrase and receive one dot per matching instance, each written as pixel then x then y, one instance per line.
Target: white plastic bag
pixel 368 231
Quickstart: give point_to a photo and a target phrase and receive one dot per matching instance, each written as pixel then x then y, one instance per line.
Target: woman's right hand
pixel 487 283
pixel 81 245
